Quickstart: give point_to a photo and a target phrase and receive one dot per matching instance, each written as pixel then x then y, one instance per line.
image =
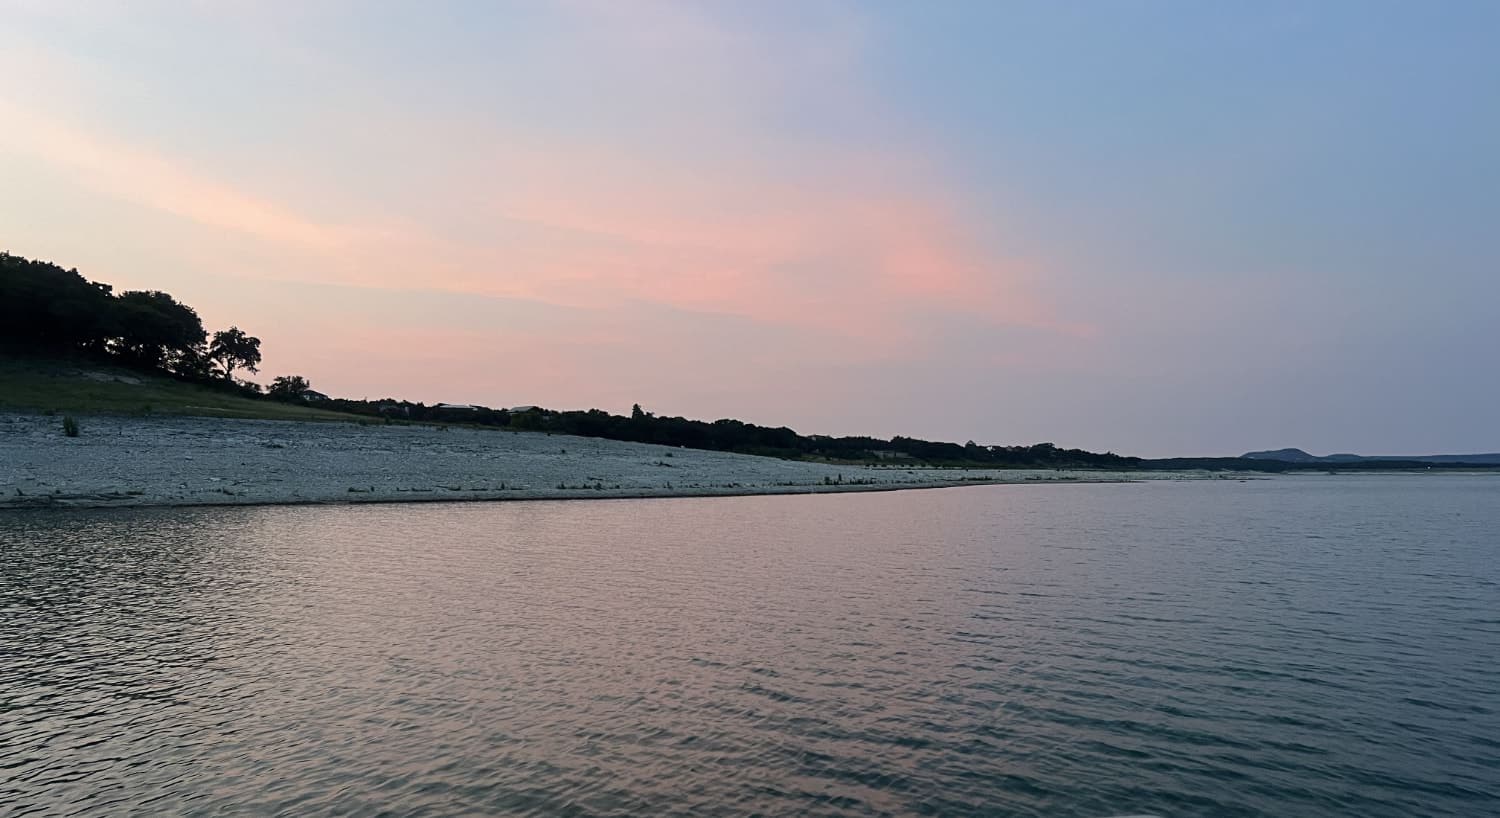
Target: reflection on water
pixel 1297 646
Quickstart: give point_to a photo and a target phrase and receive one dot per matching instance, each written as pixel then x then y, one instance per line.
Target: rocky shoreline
pixel 192 461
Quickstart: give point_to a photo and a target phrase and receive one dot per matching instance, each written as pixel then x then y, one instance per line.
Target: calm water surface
pixel 1299 646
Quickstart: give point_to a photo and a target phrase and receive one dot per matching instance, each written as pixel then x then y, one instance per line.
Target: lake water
pixel 1297 646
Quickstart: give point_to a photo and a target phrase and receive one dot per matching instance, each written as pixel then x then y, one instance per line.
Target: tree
pixel 530 420
pixel 232 348
pixel 43 305
pixel 288 387
pixel 192 364
pixel 152 326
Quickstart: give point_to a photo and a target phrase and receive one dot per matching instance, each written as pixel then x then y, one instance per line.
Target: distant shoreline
pixel 76 502
pixel 133 462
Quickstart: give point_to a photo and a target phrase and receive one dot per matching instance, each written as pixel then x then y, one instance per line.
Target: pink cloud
pixel 852 249
pixel 156 181
pixel 774 252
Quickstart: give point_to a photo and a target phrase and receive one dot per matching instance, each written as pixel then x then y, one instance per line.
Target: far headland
pixel 1300 456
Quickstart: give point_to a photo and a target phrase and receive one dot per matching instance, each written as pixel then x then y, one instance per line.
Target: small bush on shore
pixel 70 426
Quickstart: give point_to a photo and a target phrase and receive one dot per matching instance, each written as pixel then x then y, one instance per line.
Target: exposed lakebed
pixel 169 460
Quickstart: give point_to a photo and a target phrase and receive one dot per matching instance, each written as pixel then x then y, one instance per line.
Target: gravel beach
pixel 172 461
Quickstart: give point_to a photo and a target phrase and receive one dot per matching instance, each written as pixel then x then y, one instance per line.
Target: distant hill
pixel 1299 456
pixel 1284 455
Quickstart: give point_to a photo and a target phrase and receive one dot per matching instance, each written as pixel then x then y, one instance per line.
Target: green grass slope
pixel 84 386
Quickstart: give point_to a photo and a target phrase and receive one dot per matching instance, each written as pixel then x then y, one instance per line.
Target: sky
pixel 1153 228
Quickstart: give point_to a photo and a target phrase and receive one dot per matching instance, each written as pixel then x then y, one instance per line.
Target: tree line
pixel 729 435
pixel 45 307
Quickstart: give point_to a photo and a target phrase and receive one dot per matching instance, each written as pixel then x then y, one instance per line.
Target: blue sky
pixel 1157 228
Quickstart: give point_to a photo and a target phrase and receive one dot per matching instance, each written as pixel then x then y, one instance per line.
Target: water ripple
pixel 1297 646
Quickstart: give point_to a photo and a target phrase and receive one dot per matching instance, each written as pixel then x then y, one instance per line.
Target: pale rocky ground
pixel 138 461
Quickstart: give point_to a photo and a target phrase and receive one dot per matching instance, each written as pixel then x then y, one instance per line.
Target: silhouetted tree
pixel 192 364
pixel 232 349
pixel 288 387
pixel 43 305
pixel 152 325
pixel 530 419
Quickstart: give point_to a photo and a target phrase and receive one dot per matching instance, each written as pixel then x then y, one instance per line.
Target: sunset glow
pixel 821 215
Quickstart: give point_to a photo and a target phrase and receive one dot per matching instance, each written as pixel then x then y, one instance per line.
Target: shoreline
pixel 178 461
pixel 45 503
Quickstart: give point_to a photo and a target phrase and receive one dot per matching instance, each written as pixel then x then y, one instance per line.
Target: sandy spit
pixel 181 461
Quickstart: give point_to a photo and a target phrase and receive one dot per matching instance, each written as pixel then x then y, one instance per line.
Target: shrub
pixel 70 426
